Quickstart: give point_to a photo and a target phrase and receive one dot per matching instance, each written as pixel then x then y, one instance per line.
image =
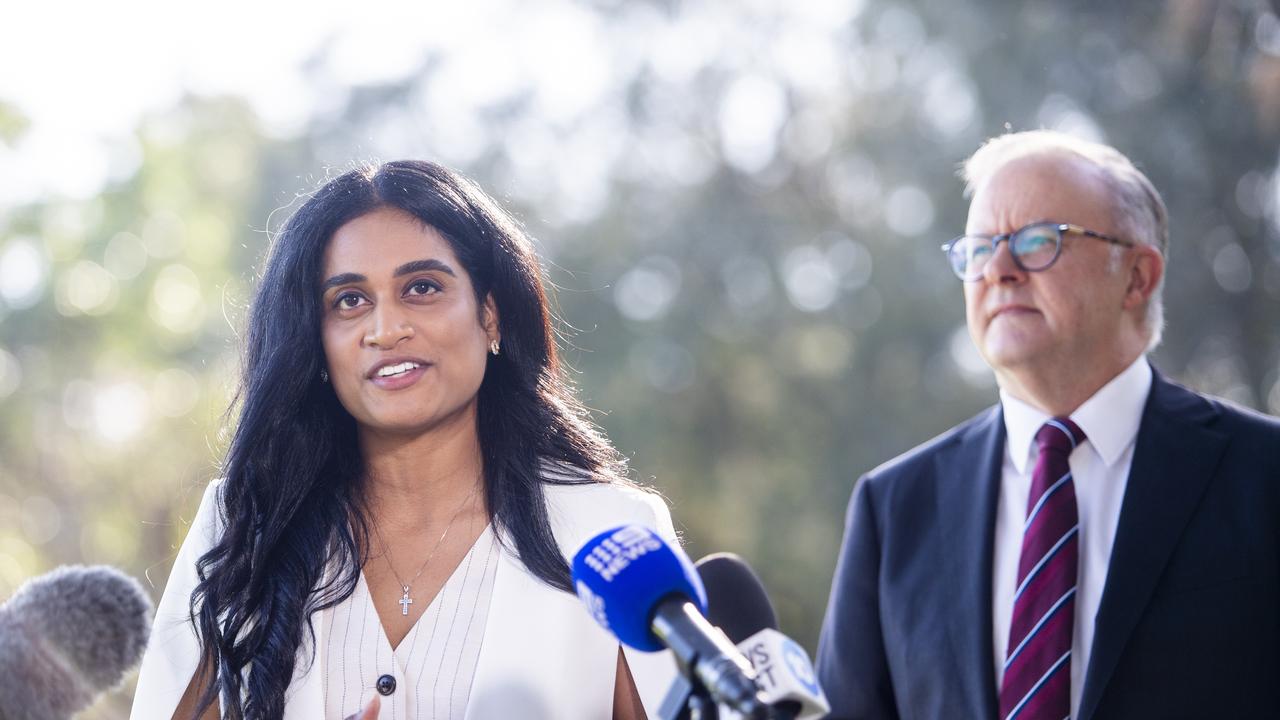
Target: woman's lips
pixel 403 380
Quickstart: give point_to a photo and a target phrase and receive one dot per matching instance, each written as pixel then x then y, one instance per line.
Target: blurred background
pixel 739 203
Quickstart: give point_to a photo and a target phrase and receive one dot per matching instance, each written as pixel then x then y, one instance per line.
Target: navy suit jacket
pixel 1189 621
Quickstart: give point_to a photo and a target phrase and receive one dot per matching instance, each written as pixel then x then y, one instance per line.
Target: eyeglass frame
pixel 1059 228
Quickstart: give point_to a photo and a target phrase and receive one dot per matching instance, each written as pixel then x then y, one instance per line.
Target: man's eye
pixel 1032 242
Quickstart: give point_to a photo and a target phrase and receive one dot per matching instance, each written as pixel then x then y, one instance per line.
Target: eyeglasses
pixel 1034 247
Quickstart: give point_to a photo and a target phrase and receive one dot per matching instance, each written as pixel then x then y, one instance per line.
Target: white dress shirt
pixel 1100 472
pixel 435 663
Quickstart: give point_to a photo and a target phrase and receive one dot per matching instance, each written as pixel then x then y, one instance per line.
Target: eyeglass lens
pixel 1034 247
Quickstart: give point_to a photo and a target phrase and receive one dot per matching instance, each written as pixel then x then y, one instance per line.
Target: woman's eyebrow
pixel 341 279
pixel 414 266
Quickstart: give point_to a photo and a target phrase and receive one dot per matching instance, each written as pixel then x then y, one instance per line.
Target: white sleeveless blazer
pixel 542 657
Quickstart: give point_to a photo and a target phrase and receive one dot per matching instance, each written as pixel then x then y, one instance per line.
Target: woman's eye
pixel 348 301
pixel 422 287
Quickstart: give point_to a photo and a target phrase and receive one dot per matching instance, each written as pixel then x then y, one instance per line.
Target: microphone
pixel 737 603
pixel 736 599
pixel 649 595
pixel 68 636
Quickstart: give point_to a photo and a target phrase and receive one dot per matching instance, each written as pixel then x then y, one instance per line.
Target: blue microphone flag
pixel 622 575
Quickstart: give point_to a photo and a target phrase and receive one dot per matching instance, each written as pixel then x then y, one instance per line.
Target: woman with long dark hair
pixel 409 472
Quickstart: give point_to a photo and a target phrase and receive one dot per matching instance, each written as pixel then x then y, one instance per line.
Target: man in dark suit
pixel 1101 544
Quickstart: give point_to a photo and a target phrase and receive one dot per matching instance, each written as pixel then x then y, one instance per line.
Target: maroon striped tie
pixel 1037 668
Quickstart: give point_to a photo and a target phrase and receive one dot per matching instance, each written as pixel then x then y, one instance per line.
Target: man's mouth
pixel 1012 310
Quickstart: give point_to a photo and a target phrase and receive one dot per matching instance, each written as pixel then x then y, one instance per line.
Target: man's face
pixel 1073 312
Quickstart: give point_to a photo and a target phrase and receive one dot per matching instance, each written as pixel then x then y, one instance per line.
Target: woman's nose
pixel 388 330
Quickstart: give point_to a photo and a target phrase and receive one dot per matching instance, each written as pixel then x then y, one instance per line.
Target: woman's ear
pixel 489 320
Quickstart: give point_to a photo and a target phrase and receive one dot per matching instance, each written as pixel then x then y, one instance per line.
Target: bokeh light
pixel 10 374
pixel 86 288
pixel 177 303
pixel 120 411
pixel 810 279
pixel 125 256
pixel 23 272
pixel 751 116
pixel 909 211
pixel 646 291
pixel 41 519
pixel 174 392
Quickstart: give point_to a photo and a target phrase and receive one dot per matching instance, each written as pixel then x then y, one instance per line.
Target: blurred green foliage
pixel 742 226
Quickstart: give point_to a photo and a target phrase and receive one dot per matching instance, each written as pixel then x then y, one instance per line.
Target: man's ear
pixel 1144 276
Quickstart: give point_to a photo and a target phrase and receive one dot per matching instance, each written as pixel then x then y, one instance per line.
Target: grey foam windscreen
pixel 68 636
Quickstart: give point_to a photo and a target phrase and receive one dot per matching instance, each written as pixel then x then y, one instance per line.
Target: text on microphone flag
pixel 779 662
pixel 595 605
pixel 618 551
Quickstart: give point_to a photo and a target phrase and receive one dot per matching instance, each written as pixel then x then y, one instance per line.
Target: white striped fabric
pixel 435 663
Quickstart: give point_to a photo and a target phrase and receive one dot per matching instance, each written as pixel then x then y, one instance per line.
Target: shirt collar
pixel 1109 419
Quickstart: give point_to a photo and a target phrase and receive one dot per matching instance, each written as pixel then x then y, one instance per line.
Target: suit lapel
pixel 968 478
pixel 1173 461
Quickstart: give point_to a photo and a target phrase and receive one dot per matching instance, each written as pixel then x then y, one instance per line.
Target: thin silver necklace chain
pixel 405 600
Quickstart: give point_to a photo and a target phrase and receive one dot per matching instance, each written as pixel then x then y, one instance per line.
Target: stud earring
pixel 493 347
pixel 324 376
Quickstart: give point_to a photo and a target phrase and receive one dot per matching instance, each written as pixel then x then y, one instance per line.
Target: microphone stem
pixel 704 652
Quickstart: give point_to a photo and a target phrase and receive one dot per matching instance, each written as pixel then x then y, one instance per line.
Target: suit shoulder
pixel 1246 419
pixel 1252 434
pixel 921 457
pixel 1226 416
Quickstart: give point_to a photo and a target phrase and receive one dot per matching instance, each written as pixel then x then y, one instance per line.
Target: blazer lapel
pixel 1173 461
pixel 968 481
pixel 511 605
pixel 305 696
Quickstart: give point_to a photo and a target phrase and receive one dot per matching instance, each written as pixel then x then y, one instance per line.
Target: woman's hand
pixel 370 711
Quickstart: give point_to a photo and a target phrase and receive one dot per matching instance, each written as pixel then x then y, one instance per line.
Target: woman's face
pixel 403 336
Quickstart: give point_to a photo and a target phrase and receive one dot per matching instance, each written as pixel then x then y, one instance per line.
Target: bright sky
pixel 85 72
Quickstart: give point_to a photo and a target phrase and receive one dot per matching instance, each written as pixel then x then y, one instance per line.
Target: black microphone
pixel 738 604
pixel 68 636
pixel 736 599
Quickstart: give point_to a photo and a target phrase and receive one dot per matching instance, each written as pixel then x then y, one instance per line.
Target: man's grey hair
pixel 1140 212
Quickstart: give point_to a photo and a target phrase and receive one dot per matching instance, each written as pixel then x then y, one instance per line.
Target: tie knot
pixel 1059 434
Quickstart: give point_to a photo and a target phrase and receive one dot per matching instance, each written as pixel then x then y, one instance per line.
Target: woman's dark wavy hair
pixel 291 502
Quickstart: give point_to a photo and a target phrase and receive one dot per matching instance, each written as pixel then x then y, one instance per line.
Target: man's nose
pixel 1001 267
